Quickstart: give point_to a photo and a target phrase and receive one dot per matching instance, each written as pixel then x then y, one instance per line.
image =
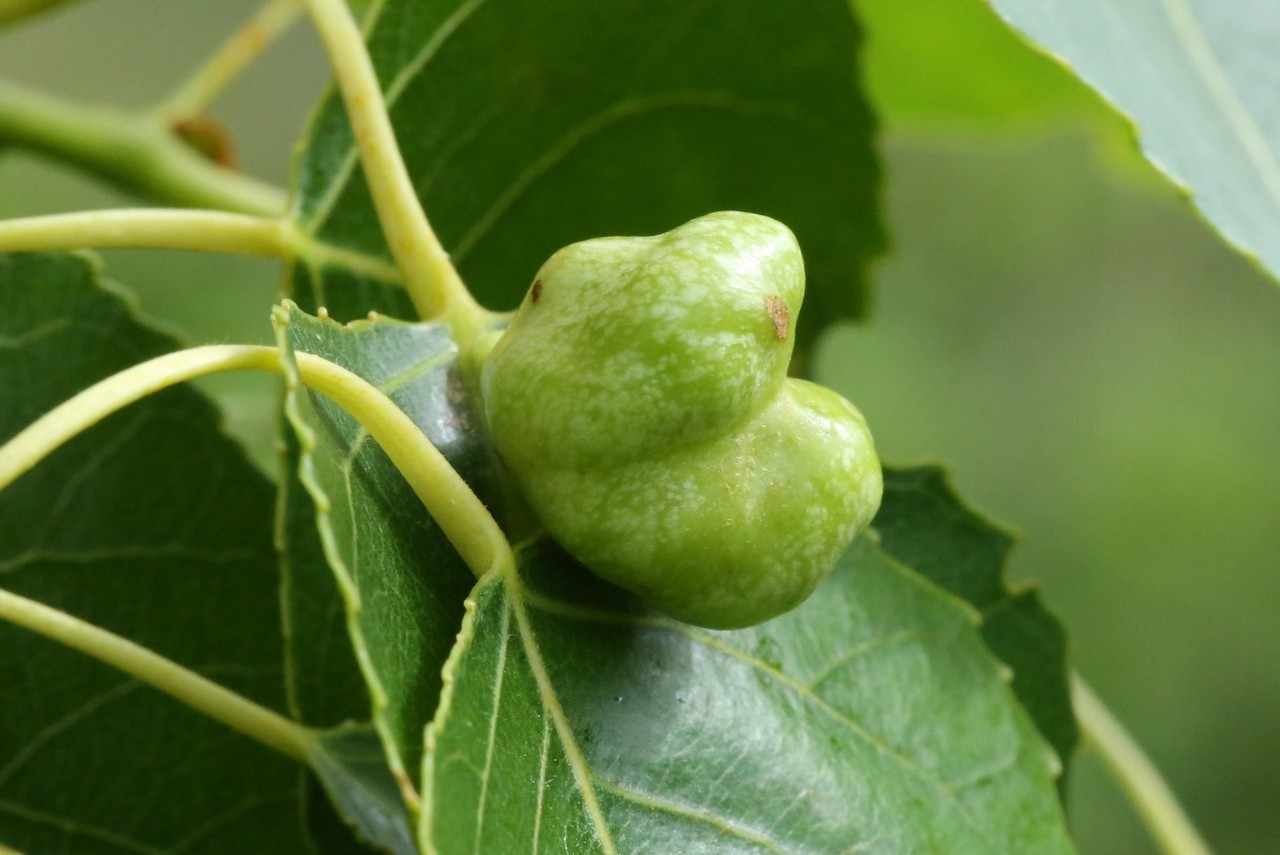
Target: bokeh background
pixel 1053 321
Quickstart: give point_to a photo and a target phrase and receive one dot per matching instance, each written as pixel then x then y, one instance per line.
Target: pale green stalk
pixel 220 704
pixel 202 231
pixel 1151 797
pixel 156 228
pixel 234 55
pixel 432 281
pixel 131 151
pixel 460 514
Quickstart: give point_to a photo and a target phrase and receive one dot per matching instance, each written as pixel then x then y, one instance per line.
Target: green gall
pixel 641 402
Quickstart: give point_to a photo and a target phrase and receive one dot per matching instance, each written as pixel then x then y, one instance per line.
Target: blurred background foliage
pixel 1099 371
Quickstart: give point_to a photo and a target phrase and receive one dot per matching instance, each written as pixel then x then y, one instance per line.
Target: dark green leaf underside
pixel 530 124
pixel 154 525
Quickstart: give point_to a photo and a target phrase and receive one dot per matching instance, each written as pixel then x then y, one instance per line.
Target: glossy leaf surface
pixel 871 718
pixel 595 120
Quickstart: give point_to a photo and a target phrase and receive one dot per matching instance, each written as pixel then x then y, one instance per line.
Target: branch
pixel 133 152
pixel 156 228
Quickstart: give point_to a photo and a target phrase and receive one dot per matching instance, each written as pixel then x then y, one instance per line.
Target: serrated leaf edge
pixel 307 445
pixel 448 675
pixel 939 474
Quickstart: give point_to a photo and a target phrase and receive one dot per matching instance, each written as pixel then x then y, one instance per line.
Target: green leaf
pixel 530 124
pixel 325 687
pixel 1198 80
pixel 400 586
pixel 925 525
pixel 151 524
pixel 871 719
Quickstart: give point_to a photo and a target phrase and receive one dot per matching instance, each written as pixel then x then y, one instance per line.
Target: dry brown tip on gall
pixel 779 314
pixel 536 291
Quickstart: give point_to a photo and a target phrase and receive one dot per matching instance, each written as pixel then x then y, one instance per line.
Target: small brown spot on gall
pixel 779 314
pixel 536 291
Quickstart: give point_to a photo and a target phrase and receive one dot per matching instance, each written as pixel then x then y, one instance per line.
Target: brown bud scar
pixel 779 314
pixel 536 291
pixel 208 138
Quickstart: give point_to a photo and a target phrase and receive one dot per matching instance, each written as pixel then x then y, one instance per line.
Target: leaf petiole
pixel 1147 790
pixel 231 58
pixel 217 702
pixel 463 518
pixel 201 231
pixel 459 513
pixel 432 281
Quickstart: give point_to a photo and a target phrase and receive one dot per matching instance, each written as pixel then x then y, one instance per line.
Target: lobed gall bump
pixel 640 401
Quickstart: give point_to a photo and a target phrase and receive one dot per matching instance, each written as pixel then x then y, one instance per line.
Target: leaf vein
pixel 1219 84
pixel 493 730
pixel 79 829
pixel 721 824
pixel 73 717
pixel 858 650
pixel 542 782
pixel 580 133
pixel 551 705
pixel 391 95
pixel 804 692
pixel 110 553
pixel 221 820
